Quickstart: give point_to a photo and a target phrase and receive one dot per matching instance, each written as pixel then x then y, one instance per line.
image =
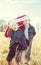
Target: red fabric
pixel 20 16
pixel 6 32
pixel 20 23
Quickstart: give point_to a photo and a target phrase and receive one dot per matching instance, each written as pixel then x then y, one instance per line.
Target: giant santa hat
pixel 19 20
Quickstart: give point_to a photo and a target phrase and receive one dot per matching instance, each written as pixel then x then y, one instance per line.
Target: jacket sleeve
pixel 10 33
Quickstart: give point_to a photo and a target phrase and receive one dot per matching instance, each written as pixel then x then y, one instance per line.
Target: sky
pixel 10 9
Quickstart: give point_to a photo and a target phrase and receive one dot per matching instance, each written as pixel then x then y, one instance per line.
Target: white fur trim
pixel 14 21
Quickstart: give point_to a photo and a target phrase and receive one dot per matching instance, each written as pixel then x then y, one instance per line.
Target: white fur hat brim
pixel 19 19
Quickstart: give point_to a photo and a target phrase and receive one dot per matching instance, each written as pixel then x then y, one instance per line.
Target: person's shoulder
pixel 31 26
pixel 22 26
pixel 11 30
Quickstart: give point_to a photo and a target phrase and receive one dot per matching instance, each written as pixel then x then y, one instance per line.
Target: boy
pixel 29 34
pixel 17 42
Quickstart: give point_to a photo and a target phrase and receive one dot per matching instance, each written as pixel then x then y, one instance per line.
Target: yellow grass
pixel 3 49
pixel 35 50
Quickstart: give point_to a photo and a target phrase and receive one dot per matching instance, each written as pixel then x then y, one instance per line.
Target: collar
pixel 27 26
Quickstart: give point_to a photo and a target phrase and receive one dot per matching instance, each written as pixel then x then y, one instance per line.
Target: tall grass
pixel 35 50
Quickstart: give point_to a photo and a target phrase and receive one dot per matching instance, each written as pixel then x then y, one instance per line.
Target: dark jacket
pixel 31 32
pixel 18 37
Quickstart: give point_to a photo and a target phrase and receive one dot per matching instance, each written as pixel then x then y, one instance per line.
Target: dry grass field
pixel 35 50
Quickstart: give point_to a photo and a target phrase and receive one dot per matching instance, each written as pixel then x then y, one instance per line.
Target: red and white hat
pixel 22 18
pixel 19 19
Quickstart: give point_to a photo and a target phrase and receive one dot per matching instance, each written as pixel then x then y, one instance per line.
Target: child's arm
pixel 10 33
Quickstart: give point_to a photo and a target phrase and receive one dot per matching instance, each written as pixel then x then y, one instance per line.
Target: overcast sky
pixel 10 9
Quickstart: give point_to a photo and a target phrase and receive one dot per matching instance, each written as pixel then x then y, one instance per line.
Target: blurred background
pixel 10 9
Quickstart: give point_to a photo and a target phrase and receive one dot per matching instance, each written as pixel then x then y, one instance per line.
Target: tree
pixel 2 28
